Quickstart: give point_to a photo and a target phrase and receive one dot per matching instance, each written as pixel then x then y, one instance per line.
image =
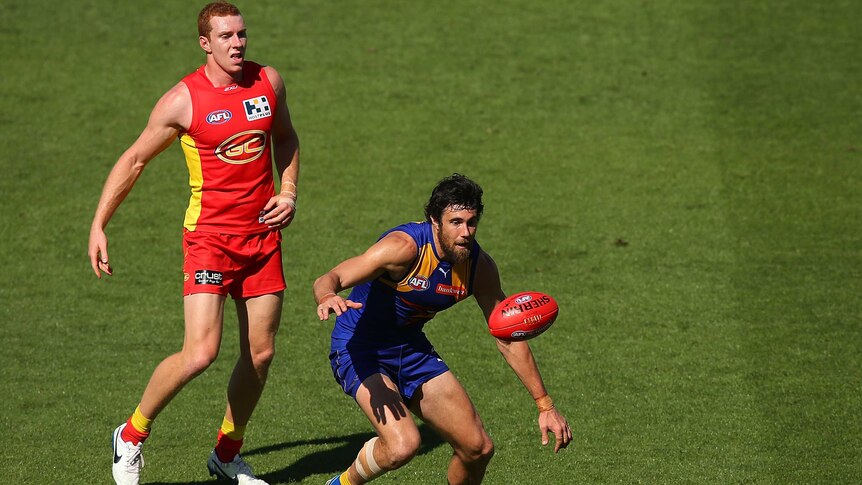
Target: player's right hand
pixel 335 304
pixel 98 251
pixel 554 422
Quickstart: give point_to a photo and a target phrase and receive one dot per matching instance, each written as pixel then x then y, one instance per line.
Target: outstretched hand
pixel 335 304
pixel 551 421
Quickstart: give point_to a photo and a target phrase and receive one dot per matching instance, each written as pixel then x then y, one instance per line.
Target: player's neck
pixel 219 77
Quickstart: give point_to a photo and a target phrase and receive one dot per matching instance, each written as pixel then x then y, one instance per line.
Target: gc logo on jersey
pixel 242 148
pixel 256 108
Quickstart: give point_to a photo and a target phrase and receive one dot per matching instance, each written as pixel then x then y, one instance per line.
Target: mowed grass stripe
pixel 790 180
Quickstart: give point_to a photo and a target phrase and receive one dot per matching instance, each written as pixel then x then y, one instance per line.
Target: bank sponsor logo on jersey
pixel 219 117
pixel 418 283
pixel 256 108
pixel 456 291
pixel 242 148
pixel 208 277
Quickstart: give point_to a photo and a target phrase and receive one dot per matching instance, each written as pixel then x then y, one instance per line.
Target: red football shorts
pixel 240 265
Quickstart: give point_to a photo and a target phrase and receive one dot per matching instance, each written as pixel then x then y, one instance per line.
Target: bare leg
pixel 259 318
pixel 443 403
pixel 399 440
pixel 204 314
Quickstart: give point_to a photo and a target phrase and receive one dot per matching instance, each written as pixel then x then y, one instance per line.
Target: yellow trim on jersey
pixel 196 181
pixel 425 265
pixel 426 261
pixel 457 282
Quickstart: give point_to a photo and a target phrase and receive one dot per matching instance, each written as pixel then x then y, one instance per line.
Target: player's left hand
pixel 98 252
pixel 551 421
pixel 335 304
pixel 279 211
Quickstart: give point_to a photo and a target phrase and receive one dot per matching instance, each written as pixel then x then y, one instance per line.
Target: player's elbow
pixel 317 283
pixel 326 283
pixel 504 347
pixel 518 349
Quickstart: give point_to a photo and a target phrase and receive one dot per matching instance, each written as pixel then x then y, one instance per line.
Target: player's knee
pixel 199 360
pixel 480 450
pixel 261 358
pixel 400 450
pixel 487 451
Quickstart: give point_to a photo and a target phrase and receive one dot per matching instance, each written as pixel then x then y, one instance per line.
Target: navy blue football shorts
pixel 409 365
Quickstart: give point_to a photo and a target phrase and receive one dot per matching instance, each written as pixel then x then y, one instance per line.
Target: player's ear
pixel 205 44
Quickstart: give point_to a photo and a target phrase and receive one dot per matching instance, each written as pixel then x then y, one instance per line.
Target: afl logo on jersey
pixel 418 283
pixel 219 117
pixel 242 148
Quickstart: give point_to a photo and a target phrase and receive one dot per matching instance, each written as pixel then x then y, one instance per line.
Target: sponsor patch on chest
pixel 256 108
pixel 456 291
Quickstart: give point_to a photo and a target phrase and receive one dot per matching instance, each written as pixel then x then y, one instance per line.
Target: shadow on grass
pixel 328 462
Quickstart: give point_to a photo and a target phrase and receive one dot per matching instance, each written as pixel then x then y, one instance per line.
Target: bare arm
pixel 280 209
pixel 392 254
pixel 171 114
pixel 488 292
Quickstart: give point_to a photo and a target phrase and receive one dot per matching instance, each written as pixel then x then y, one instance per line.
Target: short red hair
pixel 214 9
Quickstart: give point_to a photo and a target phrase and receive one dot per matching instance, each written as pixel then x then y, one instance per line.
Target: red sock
pixel 132 435
pixel 226 449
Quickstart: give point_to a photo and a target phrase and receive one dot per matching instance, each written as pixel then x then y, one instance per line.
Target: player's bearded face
pixel 456 231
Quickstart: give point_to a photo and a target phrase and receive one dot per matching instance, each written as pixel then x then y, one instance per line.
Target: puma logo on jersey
pixel 445 272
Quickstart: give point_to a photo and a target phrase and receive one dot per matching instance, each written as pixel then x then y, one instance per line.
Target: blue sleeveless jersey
pixel 394 311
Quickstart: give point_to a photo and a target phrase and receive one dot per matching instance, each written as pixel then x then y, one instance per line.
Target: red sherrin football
pixel 523 315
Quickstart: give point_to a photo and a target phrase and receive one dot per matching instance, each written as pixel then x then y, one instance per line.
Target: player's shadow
pixel 326 462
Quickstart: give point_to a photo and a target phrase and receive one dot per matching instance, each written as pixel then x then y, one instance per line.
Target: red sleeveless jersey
pixel 227 149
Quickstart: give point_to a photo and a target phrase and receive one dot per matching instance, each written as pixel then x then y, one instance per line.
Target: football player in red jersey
pixel 232 120
pixel 381 357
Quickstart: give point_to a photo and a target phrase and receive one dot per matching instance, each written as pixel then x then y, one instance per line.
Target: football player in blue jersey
pixel 381 357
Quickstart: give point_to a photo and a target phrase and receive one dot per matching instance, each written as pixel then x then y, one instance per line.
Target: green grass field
pixel 684 177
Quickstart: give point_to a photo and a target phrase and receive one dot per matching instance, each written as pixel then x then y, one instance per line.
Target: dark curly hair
pixel 456 191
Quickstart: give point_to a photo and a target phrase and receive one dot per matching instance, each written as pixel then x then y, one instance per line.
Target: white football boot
pixel 238 470
pixel 128 459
